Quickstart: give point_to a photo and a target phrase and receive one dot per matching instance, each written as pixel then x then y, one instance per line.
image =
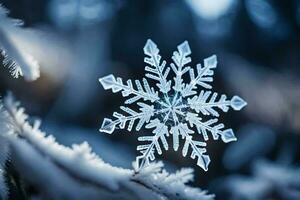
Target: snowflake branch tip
pixel 237 103
pixel 108 126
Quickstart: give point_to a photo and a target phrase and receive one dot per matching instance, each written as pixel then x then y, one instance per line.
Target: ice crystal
pixel 176 109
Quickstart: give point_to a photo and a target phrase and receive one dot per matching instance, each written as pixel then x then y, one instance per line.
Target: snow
pixel 172 184
pixel 62 172
pixel 172 109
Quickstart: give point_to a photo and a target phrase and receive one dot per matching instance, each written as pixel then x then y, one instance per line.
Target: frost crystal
pixel 176 109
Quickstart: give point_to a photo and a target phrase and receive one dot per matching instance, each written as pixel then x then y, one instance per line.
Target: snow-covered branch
pixel 61 172
pixel 171 186
pixel 19 62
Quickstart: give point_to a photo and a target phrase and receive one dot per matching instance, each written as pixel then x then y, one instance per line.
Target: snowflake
pixel 174 110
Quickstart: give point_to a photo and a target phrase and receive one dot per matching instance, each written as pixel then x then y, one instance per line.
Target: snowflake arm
pixel 211 126
pixel 142 92
pixel 180 58
pixel 121 120
pixel 156 70
pixel 203 78
pixel 148 150
pixel 196 146
pixel 206 103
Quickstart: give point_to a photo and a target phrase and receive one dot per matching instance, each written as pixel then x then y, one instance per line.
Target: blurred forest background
pixel 258 47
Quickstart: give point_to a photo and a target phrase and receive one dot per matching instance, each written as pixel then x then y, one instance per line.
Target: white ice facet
pixel 177 110
pixel 107 126
pixel 108 81
pixel 228 136
pixel 237 103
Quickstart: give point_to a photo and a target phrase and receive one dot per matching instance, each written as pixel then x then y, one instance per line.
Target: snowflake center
pixel 172 108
